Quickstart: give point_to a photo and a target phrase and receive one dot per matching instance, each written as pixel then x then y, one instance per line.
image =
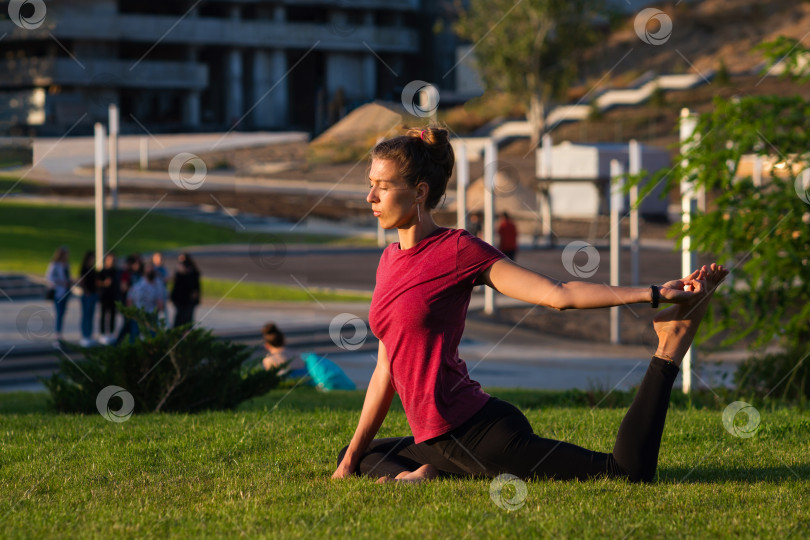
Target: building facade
pixel 197 65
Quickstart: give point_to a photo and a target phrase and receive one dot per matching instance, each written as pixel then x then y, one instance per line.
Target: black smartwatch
pixel 656 295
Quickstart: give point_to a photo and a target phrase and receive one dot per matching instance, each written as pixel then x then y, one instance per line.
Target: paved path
pixel 56 159
pixel 355 268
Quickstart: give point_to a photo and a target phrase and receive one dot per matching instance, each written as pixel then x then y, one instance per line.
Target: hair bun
pixel 431 135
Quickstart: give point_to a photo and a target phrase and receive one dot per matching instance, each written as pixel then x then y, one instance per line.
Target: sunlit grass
pixel 263 471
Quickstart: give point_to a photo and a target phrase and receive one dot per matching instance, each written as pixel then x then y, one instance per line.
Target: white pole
pixel 462 181
pixel 635 168
pixel 490 166
pixel 688 257
pixel 616 200
pixel 144 147
pixel 545 164
pixel 113 121
pixel 545 174
pixel 100 225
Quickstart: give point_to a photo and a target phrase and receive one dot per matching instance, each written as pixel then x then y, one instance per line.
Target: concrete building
pixel 207 64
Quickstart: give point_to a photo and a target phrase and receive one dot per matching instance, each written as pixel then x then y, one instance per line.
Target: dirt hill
pixel 704 33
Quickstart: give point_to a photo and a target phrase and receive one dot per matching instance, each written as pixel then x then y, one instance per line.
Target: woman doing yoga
pixel 423 288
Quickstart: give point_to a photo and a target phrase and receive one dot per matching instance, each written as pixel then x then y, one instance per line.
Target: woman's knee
pixel 637 473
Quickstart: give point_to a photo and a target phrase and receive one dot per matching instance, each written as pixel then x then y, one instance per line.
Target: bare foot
pixel 388 479
pixel 423 473
pixel 677 325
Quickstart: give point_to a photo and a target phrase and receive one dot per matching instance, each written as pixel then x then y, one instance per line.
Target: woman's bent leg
pixel 499 439
pixel 392 456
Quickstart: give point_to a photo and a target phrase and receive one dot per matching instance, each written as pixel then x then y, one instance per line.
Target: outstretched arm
pixel 379 395
pixel 512 280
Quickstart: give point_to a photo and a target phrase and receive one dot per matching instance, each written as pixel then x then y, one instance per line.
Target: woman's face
pixel 392 200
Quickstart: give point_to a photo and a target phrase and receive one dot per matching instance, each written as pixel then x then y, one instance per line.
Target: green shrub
pixel 170 369
pixel 783 375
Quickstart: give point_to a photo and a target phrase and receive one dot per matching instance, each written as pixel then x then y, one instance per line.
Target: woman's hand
pixel 679 291
pixel 343 471
pixel 693 286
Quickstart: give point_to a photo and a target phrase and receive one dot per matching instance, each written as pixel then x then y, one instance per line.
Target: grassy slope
pixel 263 471
pixel 219 288
pixel 29 234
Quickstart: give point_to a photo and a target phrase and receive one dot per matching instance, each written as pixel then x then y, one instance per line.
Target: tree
pixel 759 229
pixel 531 49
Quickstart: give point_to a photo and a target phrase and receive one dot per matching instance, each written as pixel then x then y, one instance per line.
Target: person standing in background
pixel 58 277
pixel 129 277
pixel 146 294
pixel 186 290
pixel 136 269
pixel 162 276
pixel 109 289
pixel 507 233
pixel 88 283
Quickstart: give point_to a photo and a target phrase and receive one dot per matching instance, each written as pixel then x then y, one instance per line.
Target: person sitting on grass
pixel 277 355
pixel 418 310
pixel 319 370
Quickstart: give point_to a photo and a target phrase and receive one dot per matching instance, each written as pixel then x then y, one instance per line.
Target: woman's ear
pixel 422 190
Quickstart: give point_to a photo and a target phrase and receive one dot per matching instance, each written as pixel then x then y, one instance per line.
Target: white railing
pixel 604 101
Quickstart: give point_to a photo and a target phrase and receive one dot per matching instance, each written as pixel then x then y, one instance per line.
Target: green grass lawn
pixel 29 234
pixel 263 471
pixel 218 288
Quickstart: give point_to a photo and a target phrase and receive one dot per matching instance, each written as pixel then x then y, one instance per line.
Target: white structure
pixel 578 177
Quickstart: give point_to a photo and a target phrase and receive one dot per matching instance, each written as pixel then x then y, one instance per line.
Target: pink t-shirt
pixel 418 311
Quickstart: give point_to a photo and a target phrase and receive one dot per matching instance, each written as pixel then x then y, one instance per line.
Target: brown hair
pixel 60 252
pixel 272 335
pixel 422 155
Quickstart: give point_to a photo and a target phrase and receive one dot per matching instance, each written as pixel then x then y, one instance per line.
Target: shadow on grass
pixel 306 398
pixel 714 475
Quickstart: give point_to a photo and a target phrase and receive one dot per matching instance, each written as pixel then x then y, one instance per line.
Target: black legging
pixel 498 439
